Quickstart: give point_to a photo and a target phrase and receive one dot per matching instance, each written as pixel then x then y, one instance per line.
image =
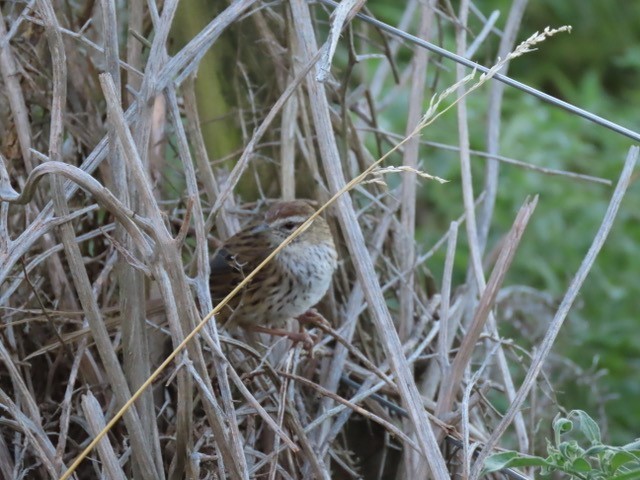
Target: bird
pixel 293 282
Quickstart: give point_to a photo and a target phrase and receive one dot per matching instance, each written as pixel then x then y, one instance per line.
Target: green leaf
pixel 596 449
pixel 581 465
pixel 571 449
pixel 562 425
pixel 632 475
pixel 500 461
pixel 588 427
pixel 633 445
pixel 620 458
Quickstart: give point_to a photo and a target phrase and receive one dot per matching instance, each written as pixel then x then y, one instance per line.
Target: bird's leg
pixel 302 337
pixel 314 318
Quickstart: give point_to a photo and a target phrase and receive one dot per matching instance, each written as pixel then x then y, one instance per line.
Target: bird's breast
pixel 308 272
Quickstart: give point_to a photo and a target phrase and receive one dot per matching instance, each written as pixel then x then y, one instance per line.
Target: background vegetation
pixel 596 67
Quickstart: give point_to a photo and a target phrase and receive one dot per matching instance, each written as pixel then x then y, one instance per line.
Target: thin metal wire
pixel 502 78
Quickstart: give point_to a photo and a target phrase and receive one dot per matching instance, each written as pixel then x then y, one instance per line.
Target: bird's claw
pixel 313 317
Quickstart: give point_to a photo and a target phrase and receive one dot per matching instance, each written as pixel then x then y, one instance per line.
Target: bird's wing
pixel 232 262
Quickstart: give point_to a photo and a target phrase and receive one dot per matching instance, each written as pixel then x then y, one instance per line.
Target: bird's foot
pixel 315 318
pixel 307 340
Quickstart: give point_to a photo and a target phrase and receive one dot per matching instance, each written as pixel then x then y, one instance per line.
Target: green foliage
pixel 601 327
pixel 577 451
pixel 596 68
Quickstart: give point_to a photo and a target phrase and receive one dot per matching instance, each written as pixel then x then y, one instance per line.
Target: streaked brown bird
pixel 289 285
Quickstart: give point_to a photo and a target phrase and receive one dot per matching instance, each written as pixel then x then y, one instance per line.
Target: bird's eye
pixel 290 226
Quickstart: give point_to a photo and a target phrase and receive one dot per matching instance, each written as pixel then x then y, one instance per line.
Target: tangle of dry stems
pixel 127 297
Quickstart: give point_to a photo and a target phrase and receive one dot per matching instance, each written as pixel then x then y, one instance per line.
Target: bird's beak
pixel 262 227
